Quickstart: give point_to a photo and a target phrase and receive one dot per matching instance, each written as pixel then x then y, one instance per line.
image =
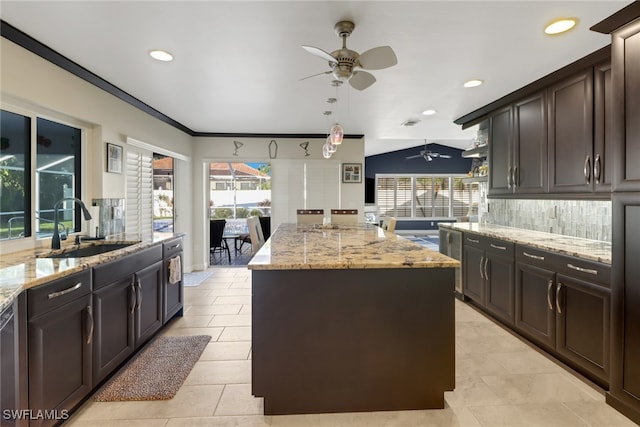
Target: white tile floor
pixel 500 379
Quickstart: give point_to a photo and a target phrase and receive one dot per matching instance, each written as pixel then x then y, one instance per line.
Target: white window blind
pixel 139 191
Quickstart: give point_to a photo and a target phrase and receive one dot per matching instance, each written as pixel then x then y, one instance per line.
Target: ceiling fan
pixel 428 155
pixel 343 62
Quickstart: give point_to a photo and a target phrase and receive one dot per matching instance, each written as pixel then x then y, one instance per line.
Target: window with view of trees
pixel 424 196
pixel 54 176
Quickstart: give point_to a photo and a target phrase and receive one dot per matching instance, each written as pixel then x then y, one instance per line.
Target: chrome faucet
pixel 55 239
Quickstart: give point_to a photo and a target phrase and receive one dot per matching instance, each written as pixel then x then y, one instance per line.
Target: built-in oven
pixel 7 365
pixel 450 244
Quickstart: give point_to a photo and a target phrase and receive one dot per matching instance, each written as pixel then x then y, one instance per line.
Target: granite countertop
pixel 25 269
pixel 305 247
pixel 593 250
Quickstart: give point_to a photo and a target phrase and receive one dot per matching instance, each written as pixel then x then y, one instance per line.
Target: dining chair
pixel 310 216
pixel 344 216
pixel 216 242
pixel 389 223
pixel 255 233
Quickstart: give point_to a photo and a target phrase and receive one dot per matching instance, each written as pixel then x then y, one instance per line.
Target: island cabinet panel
pixel 571 134
pixel 148 313
pixel 60 326
pixel 348 340
pixel 563 304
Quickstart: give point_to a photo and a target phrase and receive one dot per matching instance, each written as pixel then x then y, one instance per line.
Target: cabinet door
pixel 114 342
pixel 499 275
pixel 60 357
pixel 603 129
pixel 473 273
pixel 500 152
pixel 625 52
pixel 148 314
pixel 173 294
pixel 530 145
pixel 583 325
pixel 534 304
pixel 571 134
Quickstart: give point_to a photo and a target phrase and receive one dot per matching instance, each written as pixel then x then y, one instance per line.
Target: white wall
pixel 32 83
pixel 29 82
pixel 285 177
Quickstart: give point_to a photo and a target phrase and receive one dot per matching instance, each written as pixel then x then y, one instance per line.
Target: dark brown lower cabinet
pixel 60 326
pixel 563 305
pixel 488 274
pixel 148 312
pixel 173 300
pixel 624 393
pixel 114 342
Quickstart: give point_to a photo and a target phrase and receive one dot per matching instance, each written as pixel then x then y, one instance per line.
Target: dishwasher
pixel 7 365
pixel 450 244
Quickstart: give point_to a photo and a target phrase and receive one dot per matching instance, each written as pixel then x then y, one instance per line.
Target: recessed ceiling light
pixel 560 25
pixel 429 112
pixel 161 55
pixel 472 83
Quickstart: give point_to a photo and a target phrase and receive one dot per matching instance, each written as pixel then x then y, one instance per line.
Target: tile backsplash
pixel 111 216
pixel 589 219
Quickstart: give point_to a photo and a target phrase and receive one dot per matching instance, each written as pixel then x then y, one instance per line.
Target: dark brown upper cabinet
pixel 571 134
pixel 602 128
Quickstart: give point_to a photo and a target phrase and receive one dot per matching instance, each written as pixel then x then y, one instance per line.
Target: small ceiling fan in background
pixel 428 155
pixel 343 62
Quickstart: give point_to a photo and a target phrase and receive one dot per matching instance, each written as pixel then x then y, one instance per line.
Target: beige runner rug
pixel 157 372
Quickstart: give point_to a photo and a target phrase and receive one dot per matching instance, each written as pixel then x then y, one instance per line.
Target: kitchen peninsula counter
pixel 348 319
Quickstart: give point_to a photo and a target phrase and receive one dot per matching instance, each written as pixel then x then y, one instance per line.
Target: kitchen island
pixel 350 319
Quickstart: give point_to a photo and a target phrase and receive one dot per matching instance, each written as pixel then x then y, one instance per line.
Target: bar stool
pixel 344 216
pixel 310 216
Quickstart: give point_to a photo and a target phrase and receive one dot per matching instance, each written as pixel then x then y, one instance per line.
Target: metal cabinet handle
pixel 587 169
pixel 502 248
pixel 486 274
pixel 528 255
pixel 90 317
pixel 481 273
pixel 583 270
pixel 558 307
pixel 514 179
pixel 177 245
pixel 549 290
pixel 134 295
pixel 65 291
pixel 509 176
pixel 139 297
pixel 597 168
pixel 473 240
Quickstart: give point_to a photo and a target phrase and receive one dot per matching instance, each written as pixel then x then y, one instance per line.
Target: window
pixel 56 175
pixel 163 193
pixel 423 196
pixel 139 204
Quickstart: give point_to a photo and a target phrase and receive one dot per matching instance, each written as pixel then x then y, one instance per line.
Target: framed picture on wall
pixel 114 158
pixel 352 172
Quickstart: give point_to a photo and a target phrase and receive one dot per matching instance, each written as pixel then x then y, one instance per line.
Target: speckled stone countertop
pixel 593 250
pixel 26 269
pixel 305 247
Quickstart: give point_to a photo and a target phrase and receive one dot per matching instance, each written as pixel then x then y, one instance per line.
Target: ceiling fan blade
pixel 378 58
pixel 321 53
pixel 361 80
pixel 315 75
pixel 413 157
pixel 445 156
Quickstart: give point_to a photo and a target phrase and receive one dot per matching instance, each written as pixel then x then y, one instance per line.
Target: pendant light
pixel 336 134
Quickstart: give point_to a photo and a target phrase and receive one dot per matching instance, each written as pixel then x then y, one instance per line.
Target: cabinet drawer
pixel 115 270
pixel 572 266
pixel 489 244
pixel 172 248
pixel 44 298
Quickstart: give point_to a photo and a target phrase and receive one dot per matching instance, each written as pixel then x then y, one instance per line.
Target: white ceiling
pixel 238 63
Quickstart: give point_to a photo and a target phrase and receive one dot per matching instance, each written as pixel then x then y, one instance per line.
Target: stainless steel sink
pixel 86 251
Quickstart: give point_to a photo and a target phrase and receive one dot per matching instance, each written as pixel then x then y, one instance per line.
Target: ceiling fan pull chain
pixel 273 149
